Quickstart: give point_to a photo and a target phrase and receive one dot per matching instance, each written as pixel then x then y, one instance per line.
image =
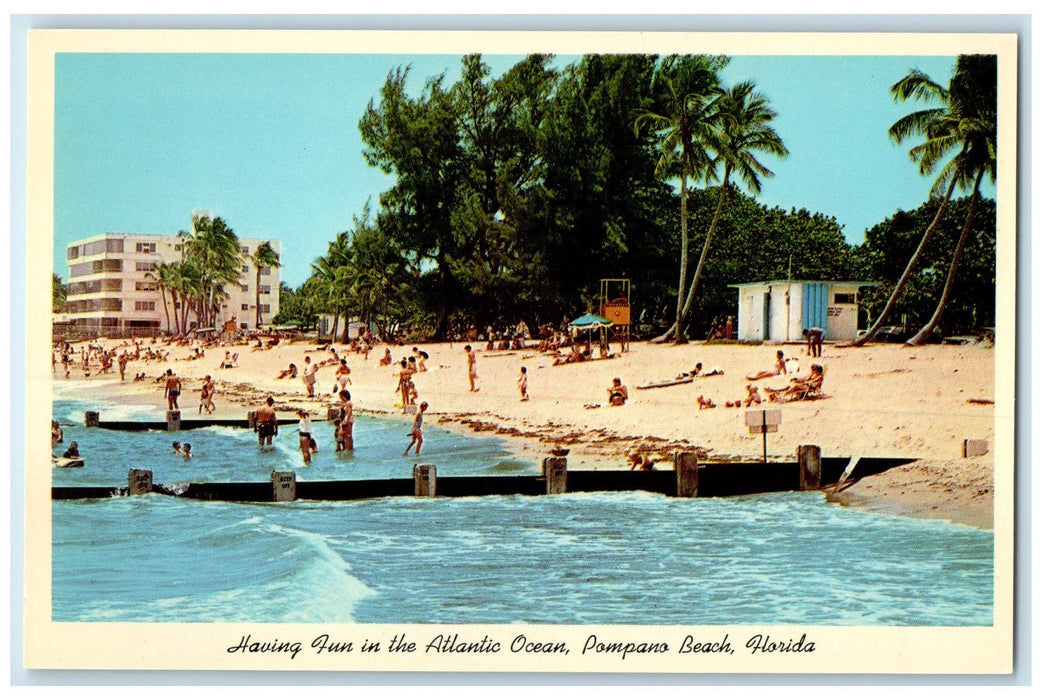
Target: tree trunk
pixel 257 297
pixel 678 335
pixel 885 313
pixel 923 334
pixel 705 246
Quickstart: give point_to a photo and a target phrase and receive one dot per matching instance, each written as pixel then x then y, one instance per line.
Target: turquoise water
pixel 629 558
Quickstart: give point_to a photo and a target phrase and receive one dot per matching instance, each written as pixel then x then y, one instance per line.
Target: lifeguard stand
pixel 615 306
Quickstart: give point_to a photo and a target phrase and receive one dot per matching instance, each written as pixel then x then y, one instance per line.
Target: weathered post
pixel 974 448
pixel 555 469
pixel 173 421
pixel 809 457
pixel 425 480
pixel 91 419
pixel 139 481
pixel 251 419
pixel 283 486
pixel 686 465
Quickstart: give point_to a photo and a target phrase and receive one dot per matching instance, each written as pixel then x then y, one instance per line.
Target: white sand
pixel 882 401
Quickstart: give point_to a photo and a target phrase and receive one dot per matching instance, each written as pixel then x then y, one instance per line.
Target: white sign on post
pixel 763 420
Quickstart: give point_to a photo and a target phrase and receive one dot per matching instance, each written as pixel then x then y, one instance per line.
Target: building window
pixel 245 250
pixel 243 326
pixel 845 299
pixel 245 307
pixel 145 266
pixel 245 269
pixel 146 247
pixel 144 306
pixel 265 270
pixel 265 308
pixel 245 287
pixel 73 252
pixel 264 289
pixel 145 286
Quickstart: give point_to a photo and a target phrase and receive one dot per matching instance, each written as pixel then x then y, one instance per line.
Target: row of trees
pixel 513 196
pixel 211 259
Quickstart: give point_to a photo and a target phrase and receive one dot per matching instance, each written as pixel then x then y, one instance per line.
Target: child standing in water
pixel 417 431
pixel 522 383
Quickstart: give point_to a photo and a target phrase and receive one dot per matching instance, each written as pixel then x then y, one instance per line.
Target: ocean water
pixel 622 558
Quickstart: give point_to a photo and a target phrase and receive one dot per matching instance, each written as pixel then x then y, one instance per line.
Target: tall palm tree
pixel 964 123
pixel 162 277
pixel 264 256
pixel 685 87
pixel 213 246
pixel 743 119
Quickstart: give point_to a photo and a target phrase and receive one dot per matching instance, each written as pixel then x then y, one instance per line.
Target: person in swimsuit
pixel 173 390
pixel 472 368
pixel 417 431
pixel 267 423
pixel 346 424
pixel 617 393
pixel 305 435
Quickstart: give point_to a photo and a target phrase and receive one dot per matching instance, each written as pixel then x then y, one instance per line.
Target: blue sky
pixel 270 142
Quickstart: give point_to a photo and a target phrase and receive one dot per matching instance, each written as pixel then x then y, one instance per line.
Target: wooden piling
pixel 425 480
pixel 283 486
pixel 555 469
pixel 686 465
pixel 91 419
pixel 809 458
pixel 173 421
pixel 139 482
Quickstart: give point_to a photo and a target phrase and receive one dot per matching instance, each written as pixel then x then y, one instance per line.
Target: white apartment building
pixel 110 289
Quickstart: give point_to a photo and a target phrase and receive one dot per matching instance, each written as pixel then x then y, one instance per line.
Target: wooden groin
pixel 175 423
pixel 691 479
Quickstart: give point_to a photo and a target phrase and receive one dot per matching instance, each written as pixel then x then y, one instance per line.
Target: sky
pixel 270 142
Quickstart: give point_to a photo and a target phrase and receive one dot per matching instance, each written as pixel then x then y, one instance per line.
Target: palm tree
pixel 214 248
pixel 685 85
pixel 743 118
pixel 162 276
pixel 965 122
pixel 264 256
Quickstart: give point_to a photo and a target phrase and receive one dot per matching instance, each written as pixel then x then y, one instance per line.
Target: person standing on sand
pixel 123 365
pixel 814 337
pixel 206 395
pixel 343 375
pixel 309 375
pixel 172 390
pixel 417 431
pixel 472 366
pixel 267 423
pixel 522 383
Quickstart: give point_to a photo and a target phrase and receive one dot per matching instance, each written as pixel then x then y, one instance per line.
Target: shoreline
pixel 568 409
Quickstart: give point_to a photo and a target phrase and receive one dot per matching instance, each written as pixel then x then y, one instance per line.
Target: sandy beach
pixel 880 401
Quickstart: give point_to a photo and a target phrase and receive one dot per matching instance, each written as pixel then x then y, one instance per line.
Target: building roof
pixel 829 282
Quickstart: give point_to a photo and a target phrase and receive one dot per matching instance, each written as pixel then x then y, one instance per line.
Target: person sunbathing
pixel 617 393
pixel 703 402
pixel 800 388
pixel 290 372
pixel 752 395
pixel 779 368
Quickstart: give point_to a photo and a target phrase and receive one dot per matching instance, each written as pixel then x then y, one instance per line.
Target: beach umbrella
pixel 589 322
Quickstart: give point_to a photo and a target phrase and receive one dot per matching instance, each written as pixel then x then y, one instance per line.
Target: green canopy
pixel 590 321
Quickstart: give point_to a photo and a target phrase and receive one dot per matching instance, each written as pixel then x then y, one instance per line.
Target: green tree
pixel 743 119
pixel 59 293
pixel 685 87
pixel 964 123
pixel 264 257
pixel 213 259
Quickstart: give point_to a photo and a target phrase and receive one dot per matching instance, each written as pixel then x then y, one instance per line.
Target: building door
pixel 815 305
pixel 767 316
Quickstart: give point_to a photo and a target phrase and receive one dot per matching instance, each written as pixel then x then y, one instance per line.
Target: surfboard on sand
pixel 668 382
pixel 66 462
